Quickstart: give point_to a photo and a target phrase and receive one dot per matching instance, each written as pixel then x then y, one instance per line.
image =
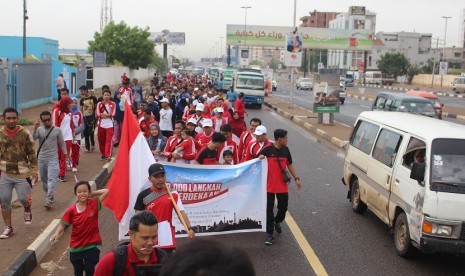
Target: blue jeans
pixel 48 171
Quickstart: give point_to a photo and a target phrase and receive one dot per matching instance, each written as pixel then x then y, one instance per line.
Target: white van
pixel 410 171
pixel 373 77
pixel 458 85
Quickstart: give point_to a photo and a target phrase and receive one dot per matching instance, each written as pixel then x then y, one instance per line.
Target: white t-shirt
pixel 165 119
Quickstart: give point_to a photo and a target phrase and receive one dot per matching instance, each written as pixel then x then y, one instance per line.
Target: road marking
pixel 369 107
pixel 305 246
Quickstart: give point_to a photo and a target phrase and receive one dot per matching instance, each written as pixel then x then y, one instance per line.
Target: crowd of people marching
pixel 189 120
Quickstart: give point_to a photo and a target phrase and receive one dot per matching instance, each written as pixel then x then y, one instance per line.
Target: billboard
pixel 313 38
pixel 293 53
pixel 167 37
pixel 357 10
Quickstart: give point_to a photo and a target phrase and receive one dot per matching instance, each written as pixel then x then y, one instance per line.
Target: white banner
pixel 221 199
pixel 443 68
pixel 293 53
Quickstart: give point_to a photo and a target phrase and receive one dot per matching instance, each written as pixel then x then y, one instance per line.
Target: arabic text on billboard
pixel 165 37
pixel 314 38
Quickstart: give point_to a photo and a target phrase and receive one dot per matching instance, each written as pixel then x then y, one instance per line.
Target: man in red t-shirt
pixel 261 141
pixel 279 158
pixel 208 154
pixel 247 136
pixel 203 138
pixel 143 232
pixel 157 200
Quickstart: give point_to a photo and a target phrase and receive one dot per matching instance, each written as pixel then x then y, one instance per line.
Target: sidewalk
pixel 338 134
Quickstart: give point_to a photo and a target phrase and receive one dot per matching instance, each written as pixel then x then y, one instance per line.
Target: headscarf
pixel 119 114
pixel 64 103
pixel 156 142
pixel 76 109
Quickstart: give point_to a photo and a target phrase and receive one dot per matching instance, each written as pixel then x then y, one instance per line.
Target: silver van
pixel 391 101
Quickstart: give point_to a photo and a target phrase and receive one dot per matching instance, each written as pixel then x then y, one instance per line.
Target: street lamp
pixel 25 17
pixel 444 46
pixel 245 23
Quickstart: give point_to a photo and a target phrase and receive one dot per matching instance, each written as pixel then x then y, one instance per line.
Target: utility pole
pixel 434 62
pixel 25 17
pixel 444 46
pixel 292 68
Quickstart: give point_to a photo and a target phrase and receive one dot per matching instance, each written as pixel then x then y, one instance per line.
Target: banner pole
pixel 181 218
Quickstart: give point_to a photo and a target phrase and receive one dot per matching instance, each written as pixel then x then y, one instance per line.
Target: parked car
pixel 274 84
pixel 431 97
pixel 304 83
pixel 391 101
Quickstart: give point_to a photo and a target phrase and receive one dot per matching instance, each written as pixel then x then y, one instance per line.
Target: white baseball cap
pixel 207 123
pixel 192 120
pixel 199 107
pixel 219 109
pixel 165 100
pixel 260 130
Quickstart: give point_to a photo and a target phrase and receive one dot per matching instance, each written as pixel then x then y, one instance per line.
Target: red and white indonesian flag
pixel 130 174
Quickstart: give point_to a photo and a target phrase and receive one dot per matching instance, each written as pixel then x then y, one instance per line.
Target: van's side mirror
pixel 418 171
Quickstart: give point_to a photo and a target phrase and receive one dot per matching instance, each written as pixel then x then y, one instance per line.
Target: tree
pixel 393 64
pixel 130 46
pixel 274 64
pixel 256 62
pixel 411 72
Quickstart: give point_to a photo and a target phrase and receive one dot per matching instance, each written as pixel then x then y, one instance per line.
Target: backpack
pixel 121 254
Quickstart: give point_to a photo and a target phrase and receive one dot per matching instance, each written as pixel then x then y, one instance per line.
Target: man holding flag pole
pixel 161 201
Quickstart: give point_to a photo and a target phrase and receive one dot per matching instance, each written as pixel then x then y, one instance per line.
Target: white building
pixel 416 47
pixel 356 18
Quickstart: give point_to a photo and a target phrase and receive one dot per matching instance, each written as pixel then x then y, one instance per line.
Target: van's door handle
pixel 397 181
pixel 388 179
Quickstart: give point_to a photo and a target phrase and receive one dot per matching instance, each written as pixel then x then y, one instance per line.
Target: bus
pixel 373 77
pixel 252 85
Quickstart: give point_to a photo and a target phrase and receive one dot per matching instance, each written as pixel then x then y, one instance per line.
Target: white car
pixel 274 85
pixel 304 83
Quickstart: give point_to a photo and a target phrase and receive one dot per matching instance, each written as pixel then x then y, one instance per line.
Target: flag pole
pixel 181 218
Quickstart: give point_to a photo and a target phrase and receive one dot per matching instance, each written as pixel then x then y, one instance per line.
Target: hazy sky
pixel 73 22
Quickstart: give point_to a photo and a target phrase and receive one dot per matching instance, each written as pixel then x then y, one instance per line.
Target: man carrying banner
pixel 279 157
pixel 160 201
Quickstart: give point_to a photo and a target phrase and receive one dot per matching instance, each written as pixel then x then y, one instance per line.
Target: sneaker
pixel 48 205
pixel 74 169
pixel 27 217
pixel 62 178
pixel 269 239
pixel 277 227
pixel 103 158
pixel 8 232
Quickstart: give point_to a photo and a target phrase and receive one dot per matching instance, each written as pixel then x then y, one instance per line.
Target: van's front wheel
pixel 357 205
pixel 402 239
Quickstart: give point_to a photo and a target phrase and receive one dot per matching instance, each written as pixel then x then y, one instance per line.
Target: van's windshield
pixel 448 166
pixel 422 108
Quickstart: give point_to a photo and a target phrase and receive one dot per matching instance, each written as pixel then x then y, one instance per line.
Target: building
pixel 357 18
pixel 31 80
pixel 453 55
pixel 416 47
pixel 318 19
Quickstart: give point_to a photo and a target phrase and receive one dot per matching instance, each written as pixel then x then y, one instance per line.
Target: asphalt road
pixel 352 107
pixel 345 243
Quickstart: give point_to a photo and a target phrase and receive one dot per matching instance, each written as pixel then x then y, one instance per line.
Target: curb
pixel 37 250
pixel 334 140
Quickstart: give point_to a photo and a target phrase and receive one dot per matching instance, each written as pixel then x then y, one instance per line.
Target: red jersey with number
pixel 85 233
